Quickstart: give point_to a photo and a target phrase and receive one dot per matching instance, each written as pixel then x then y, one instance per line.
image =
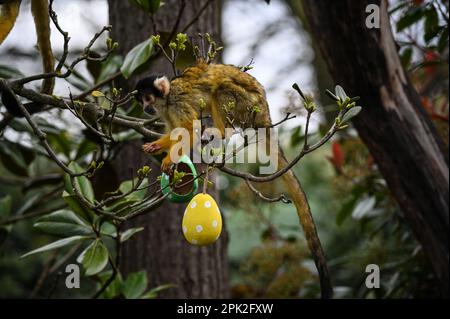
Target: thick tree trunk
pixel 393 123
pixel 161 249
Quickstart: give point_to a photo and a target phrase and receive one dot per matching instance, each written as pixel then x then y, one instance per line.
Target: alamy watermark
pixel 373 277
pixel 373 17
pixel 248 146
pixel 73 277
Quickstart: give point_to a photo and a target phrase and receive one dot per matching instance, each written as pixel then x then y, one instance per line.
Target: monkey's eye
pixel 148 99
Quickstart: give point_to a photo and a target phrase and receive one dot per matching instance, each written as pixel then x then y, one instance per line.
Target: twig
pixel 98 85
pixel 114 265
pixel 197 16
pixel 281 197
pixel 282 171
pixel 44 274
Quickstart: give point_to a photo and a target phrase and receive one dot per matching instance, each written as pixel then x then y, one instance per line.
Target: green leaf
pixel 136 57
pixel 129 233
pixel 94 66
pixel 28 202
pixel 5 206
pixel 340 93
pixel 12 159
pixel 406 57
pixel 121 204
pixel 47 127
pixel 113 289
pixel 443 40
pixel 126 136
pixel 84 148
pixel 126 186
pixel 297 136
pixel 72 201
pixel 154 5
pixel 150 6
pixel 411 17
pixel 8 72
pixel 332 95
pixel 153 293
pixel 431 24
pixel 97 94
pixel 63 223
pixel 94 258
pixel 186 57
pixel 345 211
pixel 57 244
pixel 364 208
pixel 61 142
pixel 135 285
pixel 83 183
pixel 351 114
pixel 110 66
pixel 108 229
pixel 20 125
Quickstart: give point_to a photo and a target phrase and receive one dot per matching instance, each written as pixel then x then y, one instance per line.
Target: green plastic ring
pixel 186 192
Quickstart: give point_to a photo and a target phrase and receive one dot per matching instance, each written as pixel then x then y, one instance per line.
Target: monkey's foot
pixel 151 148
pixel 166 165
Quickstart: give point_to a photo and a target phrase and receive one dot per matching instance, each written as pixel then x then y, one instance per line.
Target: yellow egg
pixel 202 221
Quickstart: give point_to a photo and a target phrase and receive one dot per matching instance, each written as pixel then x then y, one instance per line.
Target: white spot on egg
pixel 207 204
pixel 194 241
pixel 214 223
pixel 184 229
pixel 199 228
pixel 193 204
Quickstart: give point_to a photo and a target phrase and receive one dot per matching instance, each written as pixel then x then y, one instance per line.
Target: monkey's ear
pixel 163 85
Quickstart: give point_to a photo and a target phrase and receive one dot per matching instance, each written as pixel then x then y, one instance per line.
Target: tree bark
pixel 196 272
pixel 393 123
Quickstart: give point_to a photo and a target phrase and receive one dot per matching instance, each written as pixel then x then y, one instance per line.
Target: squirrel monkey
pixel 177 102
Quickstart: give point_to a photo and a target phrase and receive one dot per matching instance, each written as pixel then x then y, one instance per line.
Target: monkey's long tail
pixel 39 8
pixel 300 201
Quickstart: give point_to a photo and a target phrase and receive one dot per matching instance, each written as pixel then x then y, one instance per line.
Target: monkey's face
pixel 151 90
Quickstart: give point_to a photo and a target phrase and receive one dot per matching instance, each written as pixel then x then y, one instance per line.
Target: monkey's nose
pixel 149 110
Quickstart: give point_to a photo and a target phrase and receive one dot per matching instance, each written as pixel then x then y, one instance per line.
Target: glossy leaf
pixel 8 72
pixel 150 6
pixel 94 258
pixel 57 244
pixel 5 206
pixel 12 159
pixel 126 186
pixel 63 223
pixel 72 201
pixel 114 289
pixel 135 285
pixel 351 113
pixel 340 93
pixel 83 183
pixel 84 148
pixel 153 293
pixel 409 18
pixel 109 67
pixel 136 57
pixel 129 233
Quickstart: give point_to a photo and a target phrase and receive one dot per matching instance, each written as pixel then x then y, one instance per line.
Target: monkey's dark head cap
pixel 147 86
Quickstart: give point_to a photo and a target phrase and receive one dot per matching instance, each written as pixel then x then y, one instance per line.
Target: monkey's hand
pixel 152 148
pixel 166 164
